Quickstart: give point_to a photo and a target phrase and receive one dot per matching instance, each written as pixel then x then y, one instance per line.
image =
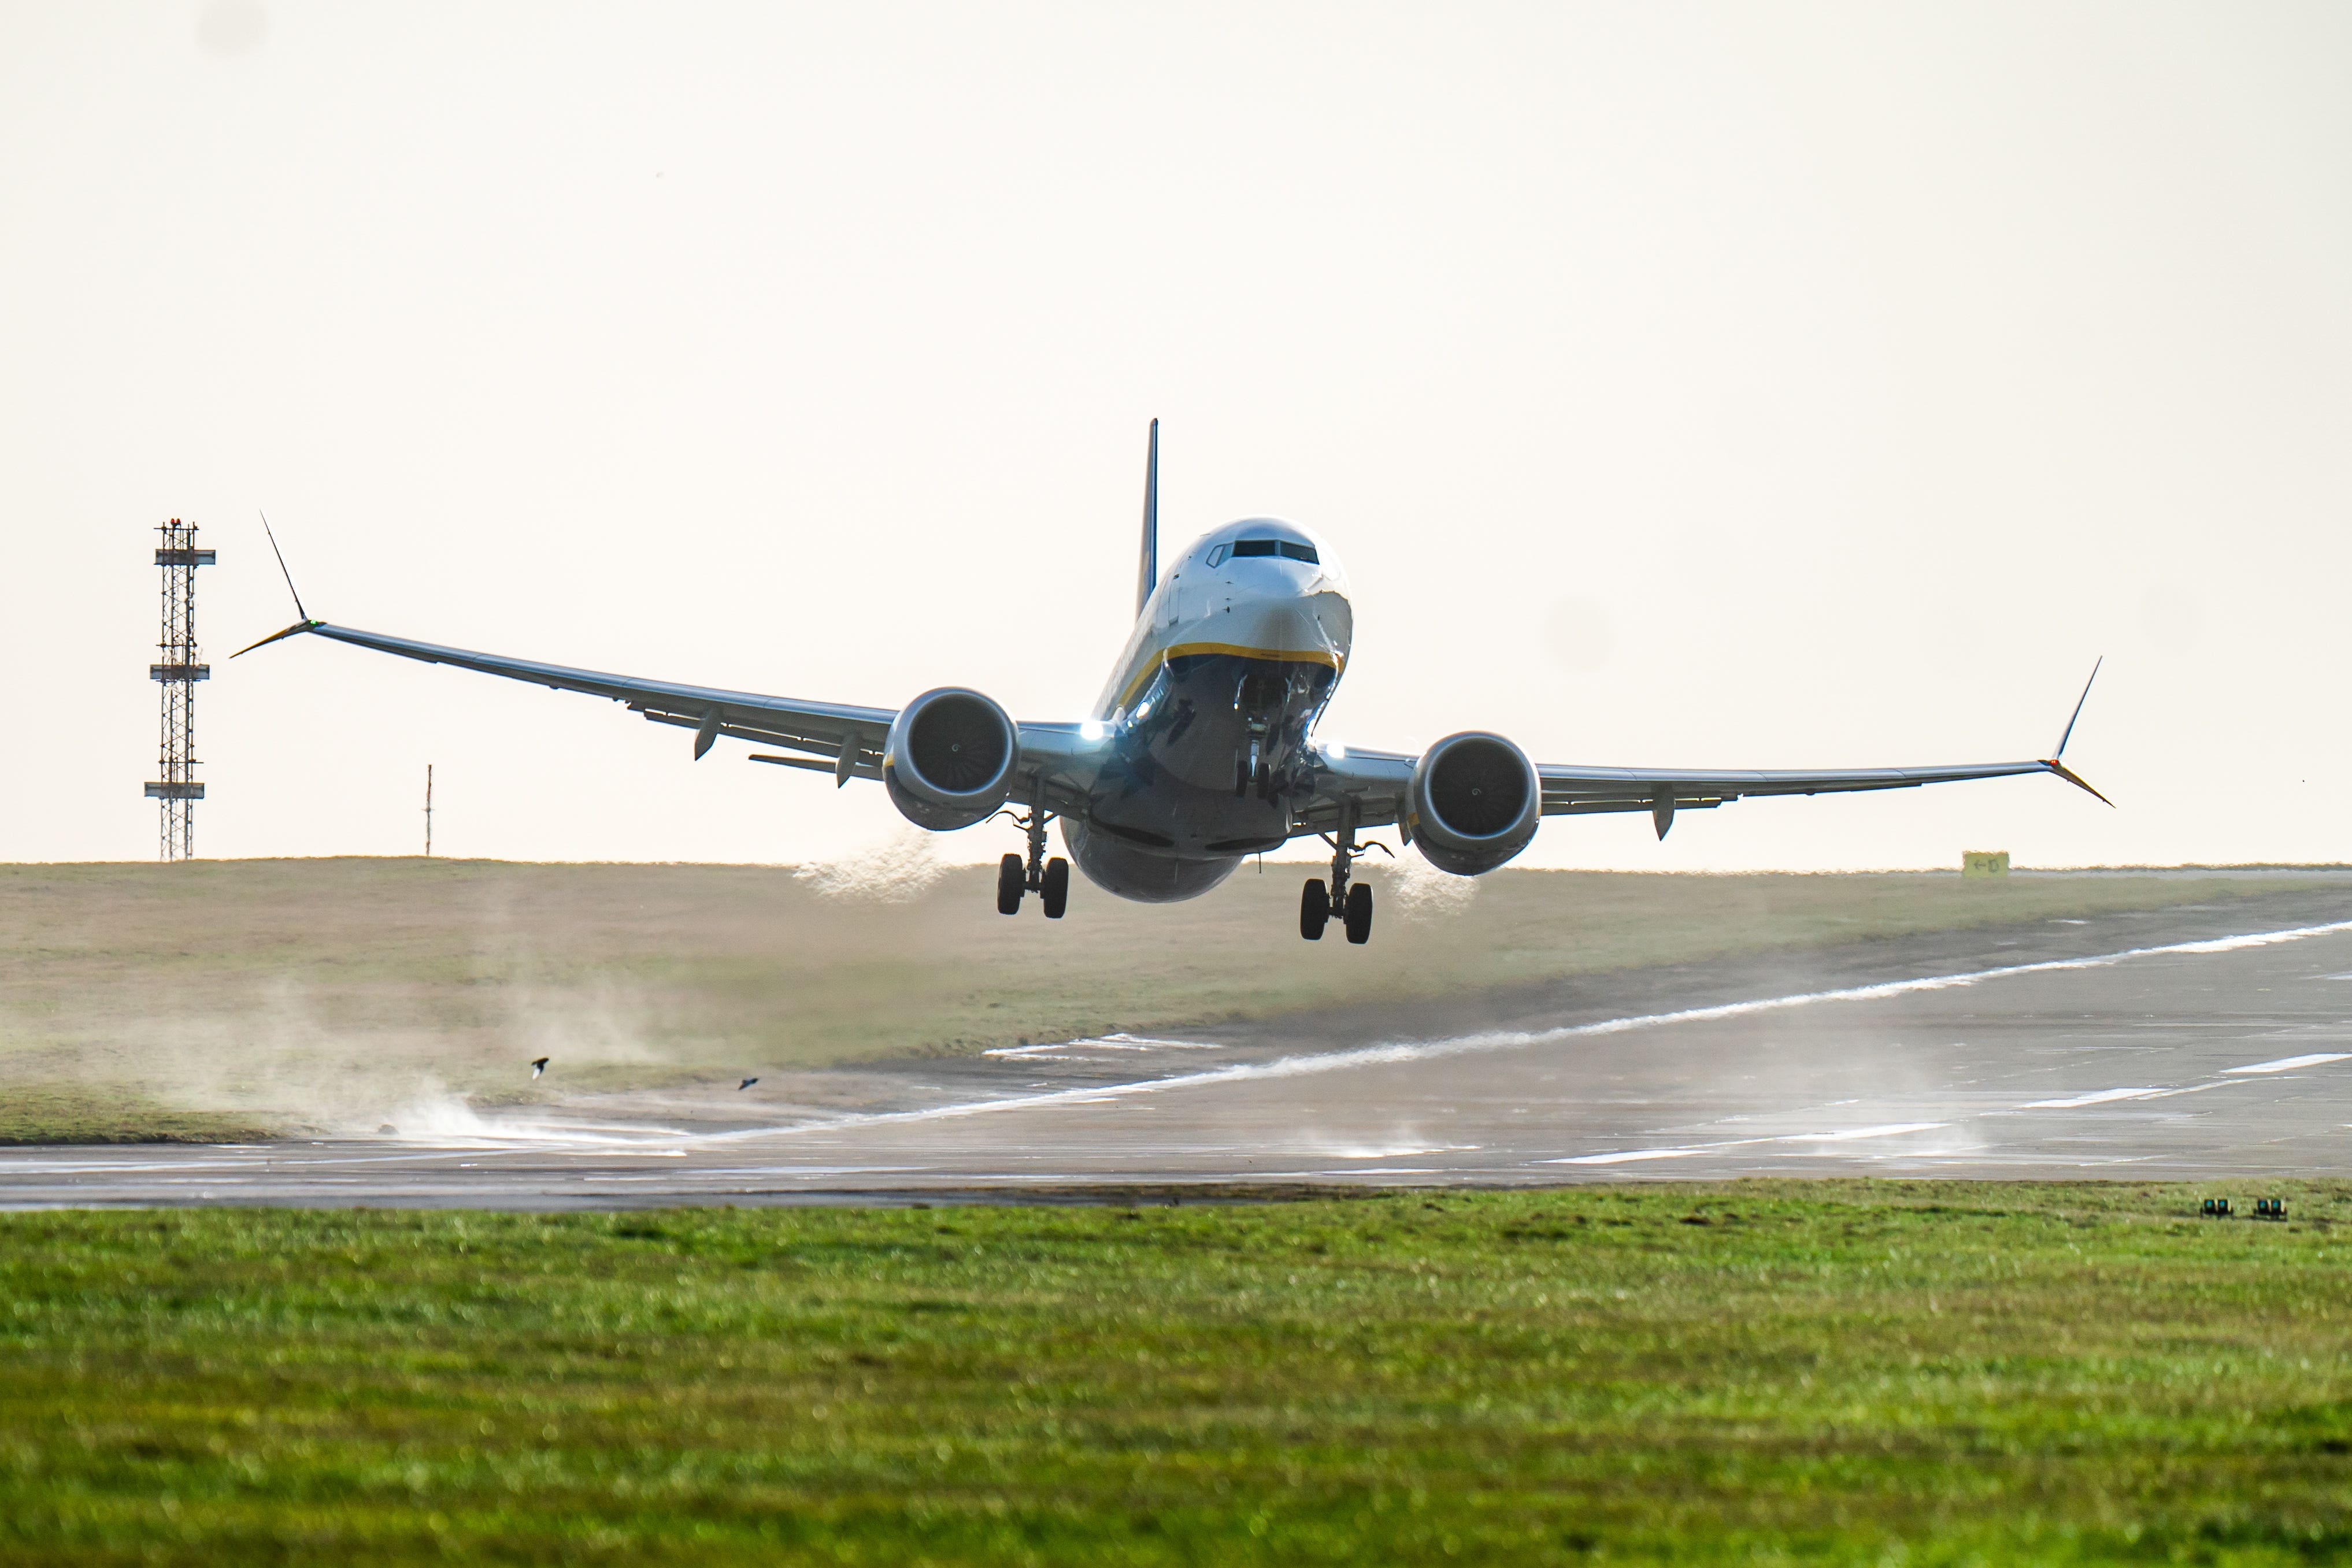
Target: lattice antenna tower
pixel 177 675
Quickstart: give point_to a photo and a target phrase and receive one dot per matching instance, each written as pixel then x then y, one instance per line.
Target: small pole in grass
pixel 429 811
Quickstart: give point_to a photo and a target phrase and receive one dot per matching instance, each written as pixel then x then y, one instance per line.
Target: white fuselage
pixel 1211 708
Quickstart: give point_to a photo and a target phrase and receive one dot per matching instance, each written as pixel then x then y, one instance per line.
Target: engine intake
pixel 948 761
pixel 1473 802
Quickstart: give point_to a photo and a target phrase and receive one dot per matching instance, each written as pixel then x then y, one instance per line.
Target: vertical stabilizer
pixel 1147 575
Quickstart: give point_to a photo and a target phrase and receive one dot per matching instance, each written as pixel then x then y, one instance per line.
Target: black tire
pixel 1010 875
pixel 1056 893
pixel 1314 909
pixel 1241 777
pixel 1359 913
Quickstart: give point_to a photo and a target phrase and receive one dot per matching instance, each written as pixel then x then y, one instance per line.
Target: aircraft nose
pixel 1301 621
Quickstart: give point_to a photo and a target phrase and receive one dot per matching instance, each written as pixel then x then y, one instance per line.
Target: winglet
pixel 2077 712
pixel 1147 575
pixel 284 573
pixel 2052 762
pixel 2071 777
pixel 274 636
pixel 306 623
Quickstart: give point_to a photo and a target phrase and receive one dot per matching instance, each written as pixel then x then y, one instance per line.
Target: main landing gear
pixel 1351 906
pixel 1048 879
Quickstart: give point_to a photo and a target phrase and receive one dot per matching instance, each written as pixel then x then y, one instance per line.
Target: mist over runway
pixel 2202 1041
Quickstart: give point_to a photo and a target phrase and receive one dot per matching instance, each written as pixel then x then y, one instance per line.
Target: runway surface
pixel 2210 1041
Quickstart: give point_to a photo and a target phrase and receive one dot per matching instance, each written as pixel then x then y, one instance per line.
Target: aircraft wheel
pixel 1314 909
pixel 1010 875
pixel 1241 777
pixel 1056 895
pixel 1359 913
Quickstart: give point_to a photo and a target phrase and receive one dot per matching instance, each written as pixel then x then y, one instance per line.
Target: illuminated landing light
pixel 1336 751
pixel 1093 729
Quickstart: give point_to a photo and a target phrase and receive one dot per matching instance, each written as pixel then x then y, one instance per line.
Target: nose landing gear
pixel 1048 879
pixel 1253 769
pixel 1351 905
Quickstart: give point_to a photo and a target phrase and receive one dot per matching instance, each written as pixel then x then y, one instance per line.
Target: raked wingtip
pixel 274 636
pixel 2074 778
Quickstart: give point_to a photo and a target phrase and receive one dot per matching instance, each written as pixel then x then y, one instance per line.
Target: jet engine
pixel 948 761
pixel 1473 802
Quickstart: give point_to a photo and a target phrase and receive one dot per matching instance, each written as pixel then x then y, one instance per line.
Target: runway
pixel 2210 1042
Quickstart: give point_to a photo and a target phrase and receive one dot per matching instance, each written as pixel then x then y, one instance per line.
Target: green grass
pixel 166 999
pixel 1922 1373
pixel 56 1113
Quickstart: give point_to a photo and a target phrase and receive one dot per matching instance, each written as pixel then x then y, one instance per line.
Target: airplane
pixel 1202 749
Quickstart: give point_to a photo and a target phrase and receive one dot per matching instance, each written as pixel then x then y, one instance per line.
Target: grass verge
pixel 1843 1372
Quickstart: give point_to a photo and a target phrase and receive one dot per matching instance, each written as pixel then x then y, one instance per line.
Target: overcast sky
pixel 1721 385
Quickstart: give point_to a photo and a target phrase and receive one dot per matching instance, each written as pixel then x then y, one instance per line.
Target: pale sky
pixel 1712 385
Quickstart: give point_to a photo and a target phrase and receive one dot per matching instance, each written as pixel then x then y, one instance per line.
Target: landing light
pixel 1093 729
pixel 1336 751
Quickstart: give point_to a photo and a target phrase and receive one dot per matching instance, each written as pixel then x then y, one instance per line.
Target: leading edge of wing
pixel 1567 788
pixel 827 730
pixel 596 683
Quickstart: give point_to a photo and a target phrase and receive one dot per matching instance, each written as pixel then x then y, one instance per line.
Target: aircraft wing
pixel 840 739
pixel 1571 790
pixel 1366 789
pixel 1370 786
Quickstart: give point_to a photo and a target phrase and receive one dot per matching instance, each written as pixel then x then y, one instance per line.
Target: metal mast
pixel 178 676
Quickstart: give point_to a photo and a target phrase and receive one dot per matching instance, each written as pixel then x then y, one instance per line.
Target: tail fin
pixel 1146 576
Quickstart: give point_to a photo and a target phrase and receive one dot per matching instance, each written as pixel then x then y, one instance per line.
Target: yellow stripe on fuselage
pixel 1150 666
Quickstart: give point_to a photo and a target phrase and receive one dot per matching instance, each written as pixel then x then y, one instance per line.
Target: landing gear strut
pixel 1048 879
pixel 1253 770
pixel 1350 904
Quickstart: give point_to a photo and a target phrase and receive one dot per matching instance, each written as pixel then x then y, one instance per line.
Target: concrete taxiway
pixel 2208 1041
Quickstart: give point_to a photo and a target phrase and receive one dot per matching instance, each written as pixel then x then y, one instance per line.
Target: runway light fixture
pixel 2219 1207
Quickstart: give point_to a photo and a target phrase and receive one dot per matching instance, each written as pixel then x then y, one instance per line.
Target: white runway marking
pixel 1895 1131
pixel 2289 1063
pixel 1627 1156
pixel 1358 1153
pixel 2097 1097
pixel 1103 1043
pixel 1844 1135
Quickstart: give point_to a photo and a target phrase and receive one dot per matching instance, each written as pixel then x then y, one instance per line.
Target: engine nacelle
pixel 1473 802
pixel 949 760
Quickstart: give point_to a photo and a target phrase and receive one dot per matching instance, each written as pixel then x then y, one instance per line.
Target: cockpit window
pixel 1266 546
